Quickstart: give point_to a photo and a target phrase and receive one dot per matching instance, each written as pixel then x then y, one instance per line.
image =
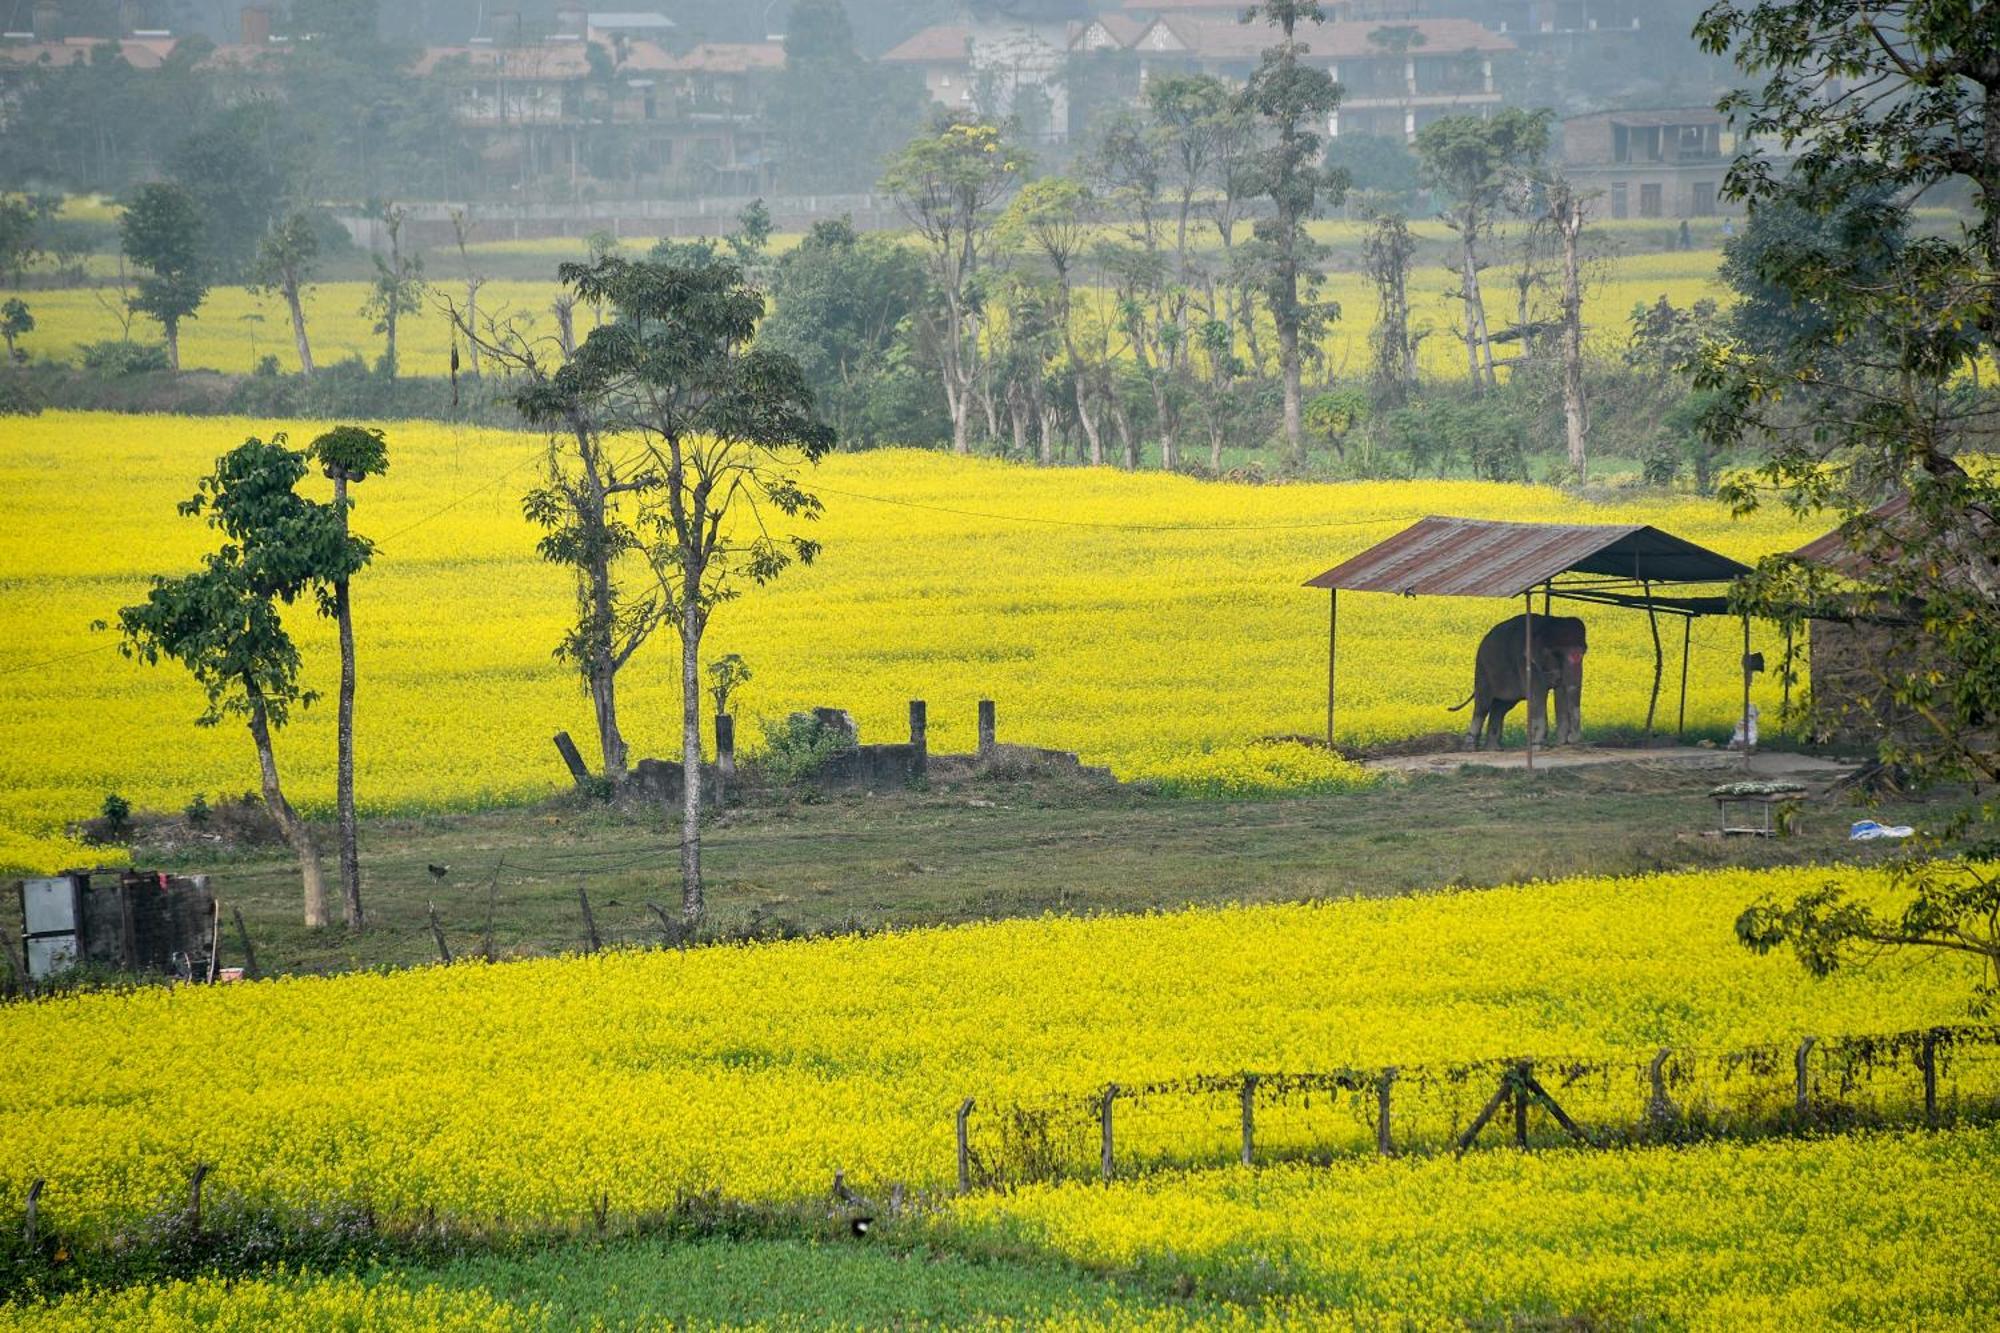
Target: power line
pixel 1125 527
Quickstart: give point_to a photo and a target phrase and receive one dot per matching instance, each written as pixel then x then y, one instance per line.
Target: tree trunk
pixel 289 824
pixel 173 327
pixel 692 906
pixel 1478 346
pixel 472 322
pixel 389 326
pixel 349 837
pixel 1288 362
pixel 1570 225
pixel 298 310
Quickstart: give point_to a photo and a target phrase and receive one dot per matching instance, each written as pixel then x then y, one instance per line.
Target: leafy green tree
pixel 1869 395
pixel 15 321
pixel 723 424
pixel 285 263
pixel 949 181
pixel 842 307
pixel 239 165
pixel 223 622
pixel 1051 217
pixel 348 454
pixel 1386 254
pixel 398 288
pixel 1293 99
pixel 1377 165
pixel 161 231
pixel 1475 163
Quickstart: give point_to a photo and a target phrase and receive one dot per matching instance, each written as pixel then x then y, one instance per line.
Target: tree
pixel 348 454
pixel 1563 210
pixel 1051 217
pixel 949 181
pixel 462 227
pixel 398 288
pixel 842 306
pixel 15 321
pixel 239 165
pixel 1868 394
pixel 836 116
pixel 1386 254
pixel 1291 97
pixel 1474 162
pixel 23 220
pixel 223 622
pixel 161 232
pixel 284 264
pixel 723 424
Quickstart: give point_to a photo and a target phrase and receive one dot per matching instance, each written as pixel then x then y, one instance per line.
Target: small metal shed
pixel 1611 564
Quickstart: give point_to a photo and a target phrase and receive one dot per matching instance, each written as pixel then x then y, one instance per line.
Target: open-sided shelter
pixel 1610 564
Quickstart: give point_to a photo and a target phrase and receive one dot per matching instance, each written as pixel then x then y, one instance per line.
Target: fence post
pixel 1104 1128
pixel 1929 1061
pixel 243 938
pixel 725 758
pixel 1519 1079
pixel 1249 1118
pixel 1657 1106
pixel 1383 1143
pixel 32 1231
pixel 920 737
pixel 437 935
pixel 590 940
pixel 964 1149
pixel 987 727
pixel 1804 1083
pixel 195 1179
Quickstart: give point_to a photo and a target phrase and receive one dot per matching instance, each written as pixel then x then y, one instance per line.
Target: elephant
pixel 1497 685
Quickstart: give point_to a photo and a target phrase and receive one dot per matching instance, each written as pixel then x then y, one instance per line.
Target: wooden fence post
pixel 920 737
pixel 579 772
pixel 1383 1143
pixel 32 1231
pixel 988 727
pixel 214 939
pixel 964 1148
pixel 1519 1079
pixel 725 757
pixel 591 942
pixel 1249 1118
pixel 243 938
pixel 1104 1129
pixel 1657 1106
pixel 1928 1058
pixel 195 1180
pixel 437 935
pixel 1804 1083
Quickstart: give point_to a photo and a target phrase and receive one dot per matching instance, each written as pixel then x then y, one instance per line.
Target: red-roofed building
pixel 997 67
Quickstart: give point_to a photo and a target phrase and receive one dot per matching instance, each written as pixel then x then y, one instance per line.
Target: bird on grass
pixel 438 872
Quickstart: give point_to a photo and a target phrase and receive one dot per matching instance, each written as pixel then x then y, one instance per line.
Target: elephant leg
pixel 1496 719
pixel 1538 715
pixel 1471 741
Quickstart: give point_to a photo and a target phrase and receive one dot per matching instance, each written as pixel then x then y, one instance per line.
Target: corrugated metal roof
pixel 1467 557
pixel 1831 550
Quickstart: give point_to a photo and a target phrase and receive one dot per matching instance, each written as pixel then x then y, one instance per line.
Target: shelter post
pixel 1687 636
pixel 1659 660
pixel 1528 685
pixel 1332 640
pixel 1746 689
pixel 1785 674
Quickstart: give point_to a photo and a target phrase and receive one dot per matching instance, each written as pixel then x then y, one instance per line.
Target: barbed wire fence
pixel 1930 1077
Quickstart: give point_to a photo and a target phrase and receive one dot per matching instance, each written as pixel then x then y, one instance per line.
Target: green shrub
pixel 122 358
pixel 796 749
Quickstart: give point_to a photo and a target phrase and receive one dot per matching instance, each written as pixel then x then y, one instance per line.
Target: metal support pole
pixel 1746 689
pixel 1332 640
pixel 1687 636
pixel 1249 1118
pixel 1785 673
pixel 1104 1127
pixel 1528 670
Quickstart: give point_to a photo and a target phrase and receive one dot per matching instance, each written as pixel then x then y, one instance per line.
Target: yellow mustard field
pixel 253 1305
pixel 1867 1231
pixel 1153 623
pixel 235 328
pixel 522 1092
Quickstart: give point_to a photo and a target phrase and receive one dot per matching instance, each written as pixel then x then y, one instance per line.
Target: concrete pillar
pixel 986 727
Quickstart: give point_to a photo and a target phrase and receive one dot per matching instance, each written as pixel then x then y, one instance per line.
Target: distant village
pixel 538 90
